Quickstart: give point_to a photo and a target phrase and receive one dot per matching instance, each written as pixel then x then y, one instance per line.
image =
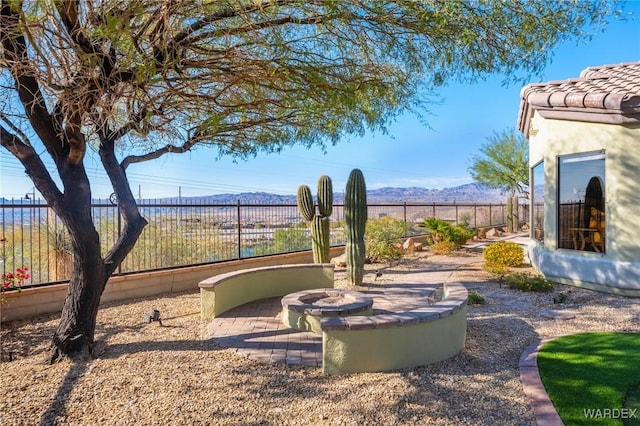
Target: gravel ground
pixel 172 375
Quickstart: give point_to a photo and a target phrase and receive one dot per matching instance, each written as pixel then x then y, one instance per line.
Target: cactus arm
pixel 305 203
pixel 325 196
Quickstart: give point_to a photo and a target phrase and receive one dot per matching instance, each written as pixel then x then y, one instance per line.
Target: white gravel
pixel 172 375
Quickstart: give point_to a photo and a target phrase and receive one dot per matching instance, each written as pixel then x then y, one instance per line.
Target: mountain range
pixel 468 193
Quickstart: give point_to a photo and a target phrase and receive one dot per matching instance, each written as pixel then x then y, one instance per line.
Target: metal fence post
pixel 490 215
pixel 456 213
pixel 239 232
pixel 404 215
pixel 119 231
pixel 475 216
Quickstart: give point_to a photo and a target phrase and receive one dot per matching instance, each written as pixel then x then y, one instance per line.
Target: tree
pixel 137 79
pixel 504 163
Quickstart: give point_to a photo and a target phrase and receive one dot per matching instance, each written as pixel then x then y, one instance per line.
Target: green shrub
pixel 502 254
pixel 475 299
pixel 381 238
pixel 442 230
pixel 285 240
pixel 443 247
pixel 527 282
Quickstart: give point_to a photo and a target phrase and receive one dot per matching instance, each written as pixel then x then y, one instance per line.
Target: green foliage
pixel 355 219
pixel 527 282
pixel 285 240
pixel 475 299
pixel 442 230
pixel 504 162
pixel 381 239
pixel 502 254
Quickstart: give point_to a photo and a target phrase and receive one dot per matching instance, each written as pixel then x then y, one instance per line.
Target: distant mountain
pixel 244 197
pixel 469 193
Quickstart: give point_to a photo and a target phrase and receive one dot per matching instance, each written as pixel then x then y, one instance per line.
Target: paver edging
pixel 543 409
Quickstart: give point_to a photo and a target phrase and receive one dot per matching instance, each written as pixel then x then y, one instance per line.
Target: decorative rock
pixel 409 245
pixel 493 232
pixel 340 261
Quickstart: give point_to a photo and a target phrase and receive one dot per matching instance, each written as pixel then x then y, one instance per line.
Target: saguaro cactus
pixel 355 218
pixel 320 237
pixel 513 216
pixel 509 213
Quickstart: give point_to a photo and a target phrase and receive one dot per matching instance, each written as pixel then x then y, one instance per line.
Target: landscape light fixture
pixel 154 316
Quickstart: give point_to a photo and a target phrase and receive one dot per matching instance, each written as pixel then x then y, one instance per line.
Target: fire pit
pixel 304 310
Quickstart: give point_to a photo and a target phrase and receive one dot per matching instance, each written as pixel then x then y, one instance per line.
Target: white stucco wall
pixel 550 138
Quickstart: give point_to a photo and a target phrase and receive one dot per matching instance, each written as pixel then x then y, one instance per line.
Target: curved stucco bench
pixel 222 292
pixel 387 342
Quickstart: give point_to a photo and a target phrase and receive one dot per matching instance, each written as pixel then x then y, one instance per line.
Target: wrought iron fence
pixel 185 234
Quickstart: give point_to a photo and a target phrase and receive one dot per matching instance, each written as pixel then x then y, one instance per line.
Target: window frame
pixel 580 237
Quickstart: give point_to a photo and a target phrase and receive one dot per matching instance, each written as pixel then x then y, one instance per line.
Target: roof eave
pixel 586 115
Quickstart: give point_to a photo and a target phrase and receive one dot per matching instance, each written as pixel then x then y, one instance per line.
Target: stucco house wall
pixel 560 120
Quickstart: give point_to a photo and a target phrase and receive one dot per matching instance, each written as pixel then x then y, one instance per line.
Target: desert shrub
pixel 381 238
pixel 527 282
pixel 285 240
pixel 498 256
pixel 442 230
pixel 465 220
pixel 443 247
pixel 475 299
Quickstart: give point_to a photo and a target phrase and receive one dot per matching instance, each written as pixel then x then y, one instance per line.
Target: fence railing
pixel 185 234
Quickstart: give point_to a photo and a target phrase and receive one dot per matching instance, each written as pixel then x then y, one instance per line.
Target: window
pixel 581 202
pixel 537 201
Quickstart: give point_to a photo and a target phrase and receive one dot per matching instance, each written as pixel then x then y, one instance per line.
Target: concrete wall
pixel 42 300
pixel 552 138
pixel 388 342
pixel 220 293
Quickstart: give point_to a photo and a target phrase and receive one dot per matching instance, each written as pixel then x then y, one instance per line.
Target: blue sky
pixel 409 155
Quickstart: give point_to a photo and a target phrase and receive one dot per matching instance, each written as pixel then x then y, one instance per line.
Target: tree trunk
pixel 75 334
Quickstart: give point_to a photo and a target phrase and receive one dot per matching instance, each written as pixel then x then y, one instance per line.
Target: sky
pixel 410 154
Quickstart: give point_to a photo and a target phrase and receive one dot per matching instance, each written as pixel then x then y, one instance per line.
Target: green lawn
pixel 593 378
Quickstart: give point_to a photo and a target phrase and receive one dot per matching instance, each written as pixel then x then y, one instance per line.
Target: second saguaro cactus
pixel 355 218
pixel 513 219
pixel 320 235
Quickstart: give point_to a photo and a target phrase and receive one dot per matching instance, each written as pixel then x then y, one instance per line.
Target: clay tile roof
pixel 605 94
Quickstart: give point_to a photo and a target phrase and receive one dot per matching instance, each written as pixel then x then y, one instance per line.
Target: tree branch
pixel 134 222
pixel 225 14
pixel 69 15
pixel 34 167
pixel 131 159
